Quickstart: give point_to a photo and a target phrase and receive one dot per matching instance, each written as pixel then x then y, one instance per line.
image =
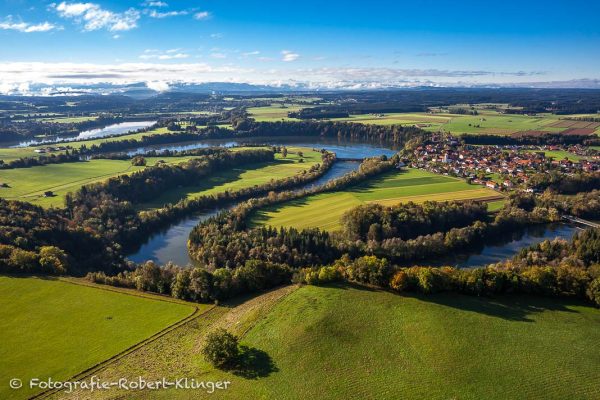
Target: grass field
pixel 561 155
pixel 29 184
pixel 486 122
pixel 274 113
pixel 53 328
pixel 69 120
pixel 355 343
pixel 239 178
pixel 490 122
pixel 325 210
pixel 421 119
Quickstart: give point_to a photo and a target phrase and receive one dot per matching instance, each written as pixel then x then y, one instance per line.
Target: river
pixel 343 148
pixel 506 246
pixel 110 130
pixel 171 243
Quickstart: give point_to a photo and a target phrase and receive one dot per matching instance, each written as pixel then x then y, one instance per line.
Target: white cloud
pixel 14 75
pixel 25 27
pixel 155 4
pixel 216 35
pixel 156 14
pixel 218 55
pixel 93 17
pixel 289 56
pixel 202 15
pixel 159 86
pixel 172 54
pixel 251 53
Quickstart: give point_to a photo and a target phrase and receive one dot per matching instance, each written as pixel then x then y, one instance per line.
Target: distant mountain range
pixel 142 90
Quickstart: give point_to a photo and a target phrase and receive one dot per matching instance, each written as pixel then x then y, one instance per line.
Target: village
pixel 500 167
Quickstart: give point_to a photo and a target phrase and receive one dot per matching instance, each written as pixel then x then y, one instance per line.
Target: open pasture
pixel 325 210
pixel 355 342
pixel 239 178
pixel 29 184
pixel 276 112
pixel 540 348
pixel 54 328
pixel 424 120
pixel 69 120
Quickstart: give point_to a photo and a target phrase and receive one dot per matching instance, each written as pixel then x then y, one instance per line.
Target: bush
pixel 138 161
pixel 53 260
pixel 221 348
pixel 399 281
pixel 593 291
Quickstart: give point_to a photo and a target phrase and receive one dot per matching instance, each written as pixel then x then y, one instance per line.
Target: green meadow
pixel 239 178
pixel 325 210
pixel 275 112
pixel 29 184
pixel 561 155
pixel 54 328
pixel 486 122
pixel 69 120
pixel 358 343
pixel 494 123
pixel 421 119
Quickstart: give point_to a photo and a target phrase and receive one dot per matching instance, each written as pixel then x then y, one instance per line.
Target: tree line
pixel 100 221
pixel 552 268
pixel 574 272
pixel 228 240
pixel 27 162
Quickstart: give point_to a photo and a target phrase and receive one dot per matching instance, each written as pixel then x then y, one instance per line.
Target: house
pixel 491 185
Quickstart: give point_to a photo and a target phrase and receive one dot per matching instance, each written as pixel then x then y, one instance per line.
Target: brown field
pixel 575 124
pixel 578 131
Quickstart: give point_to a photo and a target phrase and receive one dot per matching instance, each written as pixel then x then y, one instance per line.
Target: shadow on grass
pixel 253 363
pixel 510 307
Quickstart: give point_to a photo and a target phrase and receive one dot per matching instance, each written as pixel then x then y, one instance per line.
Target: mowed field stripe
pixel 478 194
pixel 325 210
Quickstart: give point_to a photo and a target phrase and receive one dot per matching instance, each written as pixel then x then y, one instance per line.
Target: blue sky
pixel 320 43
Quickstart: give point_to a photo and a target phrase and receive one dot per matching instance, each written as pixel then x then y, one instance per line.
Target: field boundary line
pixel 109 361
pixel 128 291
pixel 196 312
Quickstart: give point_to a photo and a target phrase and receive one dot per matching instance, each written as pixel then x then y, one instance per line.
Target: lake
pixel 110 130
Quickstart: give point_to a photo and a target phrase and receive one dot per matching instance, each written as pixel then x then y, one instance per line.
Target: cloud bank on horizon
pixel 333 45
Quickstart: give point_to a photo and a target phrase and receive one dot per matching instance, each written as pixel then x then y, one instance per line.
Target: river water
pixel 507 246
pixel 110 130
pixel 171 243
pixel 343 148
